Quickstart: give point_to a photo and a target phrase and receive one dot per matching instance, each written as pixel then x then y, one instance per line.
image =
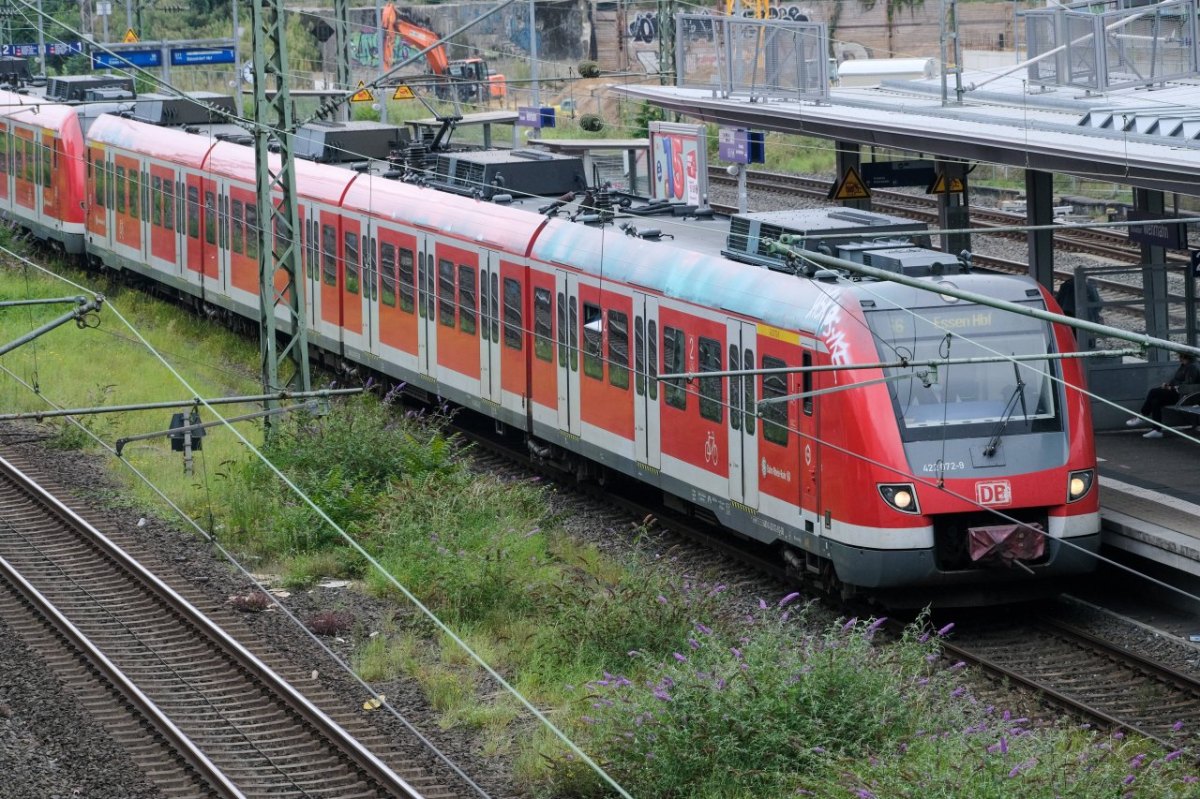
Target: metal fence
pixel 752 57
pixel 1112 45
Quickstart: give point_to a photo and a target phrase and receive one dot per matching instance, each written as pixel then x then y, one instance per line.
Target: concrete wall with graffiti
pixel 627 33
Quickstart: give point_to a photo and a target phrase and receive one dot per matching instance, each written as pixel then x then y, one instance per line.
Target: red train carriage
pixel 562 330
pixel 42 169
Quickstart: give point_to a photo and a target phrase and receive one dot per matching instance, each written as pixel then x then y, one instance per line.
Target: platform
pixel 1150 496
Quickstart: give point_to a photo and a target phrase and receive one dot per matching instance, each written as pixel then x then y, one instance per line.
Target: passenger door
pixel 489 326
pixel 743 426
pixel 646 414
pixel 370 290
pixel 566 303
pixel 426 307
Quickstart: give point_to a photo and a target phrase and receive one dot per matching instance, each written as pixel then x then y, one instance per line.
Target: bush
pixel 591 123
pixel 589 69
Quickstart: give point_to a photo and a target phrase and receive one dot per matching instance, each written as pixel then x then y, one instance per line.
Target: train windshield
pixel 1018 395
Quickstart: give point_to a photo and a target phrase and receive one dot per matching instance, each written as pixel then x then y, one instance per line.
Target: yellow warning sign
pixel 850 187
pixel 130 37
pixel 363 95
pixel 943 186
pixel 403 93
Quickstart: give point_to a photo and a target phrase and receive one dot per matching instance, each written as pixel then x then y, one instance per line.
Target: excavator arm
pixel 421 38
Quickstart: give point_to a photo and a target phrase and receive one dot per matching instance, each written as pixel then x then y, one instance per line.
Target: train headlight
pixel 1079 484
pixel 901 496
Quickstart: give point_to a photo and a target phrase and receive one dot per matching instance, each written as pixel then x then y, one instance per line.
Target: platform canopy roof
pixel 1148 137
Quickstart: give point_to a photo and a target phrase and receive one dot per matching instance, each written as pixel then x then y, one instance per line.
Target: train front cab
pixel 42 170
pixel 981 445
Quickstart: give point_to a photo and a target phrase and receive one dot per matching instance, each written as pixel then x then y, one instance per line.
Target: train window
pixel 120 181
pixel 156 201
pixel 618 349
pixel 329 255
pixel 251 230
pixel 485 299
pixel 513 330
pixel 748 392
pixel 407 292
pixel 30 160
pixel 446 292
pixel 674 343
pixel 774 415
pixel 387 275
pixel 168 198
pixel 101 172
pixel 18 157
pixel 735 389
pixel 238 235
pixel 370 283
pixel 639 355
pixel 495 310
pixel 573 326
pixel 466 299
pixel 806 383
pixel 193 212
pixel 134 192
pixel 47 164
pixel 593 339
pixel 210 217
pixel 652 361
pixel 710 387
pixel 4 139
pixel 543 343
pixel 562 330
pixel 421 285
pixel 350 252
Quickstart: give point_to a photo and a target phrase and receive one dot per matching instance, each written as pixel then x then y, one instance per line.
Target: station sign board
pixel 886 174
pixel 741 146
pixel 535 117
pixel 187 56
pixel 1160 231
pixel 31 50
pixel 123 58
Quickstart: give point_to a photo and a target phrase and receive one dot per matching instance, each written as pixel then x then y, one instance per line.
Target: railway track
pixel 198 712
pixel 1086 675
pixel 1125 298
pixel 1100 243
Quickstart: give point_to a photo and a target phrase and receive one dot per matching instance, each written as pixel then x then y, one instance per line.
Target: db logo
pixel 994 492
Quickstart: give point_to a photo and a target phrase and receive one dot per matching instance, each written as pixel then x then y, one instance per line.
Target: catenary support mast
pixel 283 336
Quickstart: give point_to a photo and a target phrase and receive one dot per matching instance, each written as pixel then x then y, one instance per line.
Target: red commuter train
pixel 561 330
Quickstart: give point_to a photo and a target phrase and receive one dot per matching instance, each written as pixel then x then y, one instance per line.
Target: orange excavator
pixel 466 79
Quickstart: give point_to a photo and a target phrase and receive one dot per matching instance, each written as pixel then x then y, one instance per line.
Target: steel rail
pixel 295 701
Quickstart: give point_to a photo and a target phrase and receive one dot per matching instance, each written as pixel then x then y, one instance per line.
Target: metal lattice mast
pixel 283 337
pixel 341 43
pixel 666 42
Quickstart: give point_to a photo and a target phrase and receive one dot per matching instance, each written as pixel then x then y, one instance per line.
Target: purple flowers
pixel 789 598
pixel 942 632
pixel 703 629
pixel 679 657
pixel 737 653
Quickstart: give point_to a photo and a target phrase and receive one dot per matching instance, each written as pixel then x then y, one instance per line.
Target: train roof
pixel 166 143
pixel 498 226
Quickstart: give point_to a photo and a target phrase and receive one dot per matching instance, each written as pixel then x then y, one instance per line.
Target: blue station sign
pixel 124 58
pixel 535 117
pixel 188 56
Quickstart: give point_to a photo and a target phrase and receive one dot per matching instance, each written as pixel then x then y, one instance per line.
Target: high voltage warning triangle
pixel 943 186
pixel 363 95
pixel 403 93
pixel 850 187
pixel 130 37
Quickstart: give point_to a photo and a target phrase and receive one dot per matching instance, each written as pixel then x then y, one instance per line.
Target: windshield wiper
pixel 1018 393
